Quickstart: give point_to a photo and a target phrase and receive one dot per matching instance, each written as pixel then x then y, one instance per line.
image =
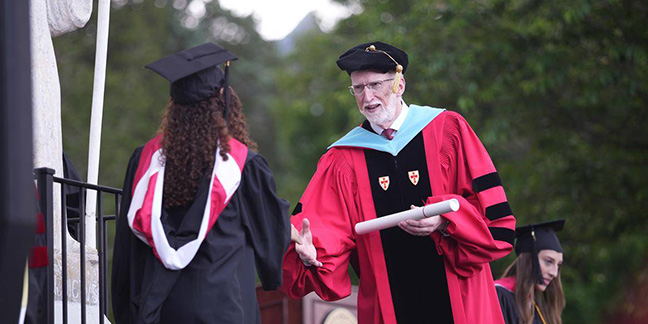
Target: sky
pixel 277 18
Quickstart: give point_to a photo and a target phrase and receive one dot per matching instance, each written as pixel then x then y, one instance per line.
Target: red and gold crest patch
pixel 384 182
pixel 413 176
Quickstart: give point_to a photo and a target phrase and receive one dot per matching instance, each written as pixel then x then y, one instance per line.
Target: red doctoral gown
pixel 435 156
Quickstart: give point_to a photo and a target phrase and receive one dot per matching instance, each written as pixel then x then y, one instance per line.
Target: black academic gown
pixel 218 285
pixel 509 308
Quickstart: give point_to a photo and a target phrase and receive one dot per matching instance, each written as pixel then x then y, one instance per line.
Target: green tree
pixel 135 98
pixel 557 92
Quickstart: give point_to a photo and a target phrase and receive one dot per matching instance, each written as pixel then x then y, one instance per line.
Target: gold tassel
pixel 397 78
pixel 399 68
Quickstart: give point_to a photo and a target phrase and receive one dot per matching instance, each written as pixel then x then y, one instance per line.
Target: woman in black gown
pixel 530 291
pixel 199 211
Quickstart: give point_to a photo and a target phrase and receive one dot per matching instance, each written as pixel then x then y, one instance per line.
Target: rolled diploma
pixel 418 213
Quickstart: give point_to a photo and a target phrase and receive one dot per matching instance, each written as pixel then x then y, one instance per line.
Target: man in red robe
pixel 435 270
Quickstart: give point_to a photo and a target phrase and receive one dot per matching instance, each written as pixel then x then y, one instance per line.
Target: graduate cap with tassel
pixel 534 238
pixel 194 73
pixel 377 56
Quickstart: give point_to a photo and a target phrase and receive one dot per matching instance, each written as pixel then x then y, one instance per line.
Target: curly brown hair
pixel 190 134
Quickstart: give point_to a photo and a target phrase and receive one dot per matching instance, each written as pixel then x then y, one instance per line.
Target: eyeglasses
pixel 357 89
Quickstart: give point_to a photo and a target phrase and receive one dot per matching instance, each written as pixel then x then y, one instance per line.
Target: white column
pixel 94 147
pixel 50 18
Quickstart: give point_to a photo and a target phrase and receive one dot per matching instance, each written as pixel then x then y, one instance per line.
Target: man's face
pixel 379 105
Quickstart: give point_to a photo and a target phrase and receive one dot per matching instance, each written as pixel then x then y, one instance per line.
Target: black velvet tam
pixel 360 57
pixel 194 73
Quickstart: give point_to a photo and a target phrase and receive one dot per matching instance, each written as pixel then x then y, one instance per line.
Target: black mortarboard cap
pixel 534 238
pixel 194 73
pixel 543 235
pixel 373 56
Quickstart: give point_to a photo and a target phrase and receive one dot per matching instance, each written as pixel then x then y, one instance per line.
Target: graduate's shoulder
pixel 133 161
pixel 505 284
pixel 137 151
pixel 256 165
pixel 256 160
pixel 503 290
pixel 254 156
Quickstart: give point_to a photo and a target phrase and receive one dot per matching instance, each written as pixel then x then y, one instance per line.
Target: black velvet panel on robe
pixel 218 285
pixel 416 271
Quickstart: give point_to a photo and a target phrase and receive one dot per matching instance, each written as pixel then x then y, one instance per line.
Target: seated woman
pixel 530 291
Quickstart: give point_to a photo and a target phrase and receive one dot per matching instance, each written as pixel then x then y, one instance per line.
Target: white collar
pixel 396 125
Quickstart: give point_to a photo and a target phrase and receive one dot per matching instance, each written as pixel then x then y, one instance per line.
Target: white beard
pixel 385 116
pixel 382 117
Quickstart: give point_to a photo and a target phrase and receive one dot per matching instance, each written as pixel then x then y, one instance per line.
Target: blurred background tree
pixel 556 90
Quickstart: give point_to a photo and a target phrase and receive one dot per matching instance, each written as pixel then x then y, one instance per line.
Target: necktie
pixel 388 133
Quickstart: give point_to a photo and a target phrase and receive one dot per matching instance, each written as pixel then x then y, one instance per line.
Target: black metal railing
pixel 45 181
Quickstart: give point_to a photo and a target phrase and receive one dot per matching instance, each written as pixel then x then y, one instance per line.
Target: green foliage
pixel 312 111
pixel 557 92
pixel 135 98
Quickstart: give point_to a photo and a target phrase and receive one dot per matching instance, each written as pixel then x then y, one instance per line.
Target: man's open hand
pixel 306 250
